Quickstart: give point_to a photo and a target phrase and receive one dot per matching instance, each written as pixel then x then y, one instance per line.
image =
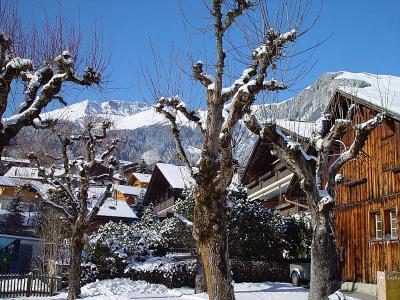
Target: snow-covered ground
pixel 124 289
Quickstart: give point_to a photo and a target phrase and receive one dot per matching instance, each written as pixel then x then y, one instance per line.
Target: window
pixel 378 226
pixel 390 224
pixel 393 224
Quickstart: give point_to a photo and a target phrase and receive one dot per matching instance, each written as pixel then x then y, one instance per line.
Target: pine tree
pixel 15 219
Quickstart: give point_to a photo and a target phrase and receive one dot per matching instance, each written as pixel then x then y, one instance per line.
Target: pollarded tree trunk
pixel 75 264
pixel 324 274
pixel 212 237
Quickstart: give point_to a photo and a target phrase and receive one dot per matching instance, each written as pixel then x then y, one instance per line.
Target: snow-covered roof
pixel 379 90
pixel 15 182
pixel 29 172
pixel 15 160
pixel 116 209
pixel 304 129
pixel 129 190
pixel 177 176
pixel 142 177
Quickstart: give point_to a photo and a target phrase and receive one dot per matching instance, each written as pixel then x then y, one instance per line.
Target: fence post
pixel 29 285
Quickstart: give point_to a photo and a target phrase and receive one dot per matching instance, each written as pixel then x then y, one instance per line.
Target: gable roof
pixel 177 176
pixel 129 190
pixel 16 182
pixel 29 173
pixel 145 178
pixel 116 209
pixel 378 91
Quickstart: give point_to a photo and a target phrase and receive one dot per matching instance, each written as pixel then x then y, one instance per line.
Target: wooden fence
pixel 31 284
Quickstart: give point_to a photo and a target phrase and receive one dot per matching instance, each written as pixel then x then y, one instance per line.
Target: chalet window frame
pixel 393 224
pixel 378 226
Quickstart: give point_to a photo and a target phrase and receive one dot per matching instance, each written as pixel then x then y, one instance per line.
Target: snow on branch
pixel 244 90
pixel 164 107
pixel 175 104
pixel 41 88
pixel 198 74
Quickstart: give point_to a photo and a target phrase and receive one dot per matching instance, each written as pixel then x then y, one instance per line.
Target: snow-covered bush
pixel 170 271
pixel 254 231
pixel 178 230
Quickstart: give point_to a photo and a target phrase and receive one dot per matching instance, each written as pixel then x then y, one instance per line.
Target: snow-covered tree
pixel 40 60
pixel 69 194
pixel 318 175
pixel 226 105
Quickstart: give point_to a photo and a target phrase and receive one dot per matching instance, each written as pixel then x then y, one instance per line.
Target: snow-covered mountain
pixel 113 109
pixel 146 134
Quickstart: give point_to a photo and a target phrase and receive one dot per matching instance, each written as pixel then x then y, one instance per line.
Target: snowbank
pixel 124 289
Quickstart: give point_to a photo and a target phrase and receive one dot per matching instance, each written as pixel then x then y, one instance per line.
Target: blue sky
pixel 365 37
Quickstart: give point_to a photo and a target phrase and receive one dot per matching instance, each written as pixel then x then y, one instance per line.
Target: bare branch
pixel 233 14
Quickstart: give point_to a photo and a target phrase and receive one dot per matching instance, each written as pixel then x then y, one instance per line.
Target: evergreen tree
pixel 138 207
pixel 15 219
pixel 143 167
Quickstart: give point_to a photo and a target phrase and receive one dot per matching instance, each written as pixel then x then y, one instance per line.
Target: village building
pixel 129 194
pixel 10 187
pixel 166 185
pixel 269 181
pixel 368 195
pixel 139 180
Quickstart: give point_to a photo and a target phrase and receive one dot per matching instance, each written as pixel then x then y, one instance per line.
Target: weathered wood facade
pixel 368 198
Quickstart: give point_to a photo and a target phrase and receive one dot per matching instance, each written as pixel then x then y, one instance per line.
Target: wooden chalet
pixel 139 180
pixel 166 185
pixel 124 171
pixel 368 196
pixel 269 181
pixel 8 191
pixel 128 193
pixel 116 210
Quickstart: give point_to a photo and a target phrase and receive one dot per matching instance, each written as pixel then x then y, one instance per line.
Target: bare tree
pixel 39 60
pixel 216 165
pixel 318 175
pixel 70 191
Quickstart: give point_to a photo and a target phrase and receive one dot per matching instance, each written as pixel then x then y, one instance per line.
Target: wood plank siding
pixel 368 203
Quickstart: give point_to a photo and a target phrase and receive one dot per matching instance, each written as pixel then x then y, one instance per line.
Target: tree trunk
pixel 200 285
pixel 74 284
pixel 324 274
pixel 212 237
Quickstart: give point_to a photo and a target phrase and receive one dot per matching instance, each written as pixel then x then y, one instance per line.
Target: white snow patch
pixel 382 90
pixel 124 289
